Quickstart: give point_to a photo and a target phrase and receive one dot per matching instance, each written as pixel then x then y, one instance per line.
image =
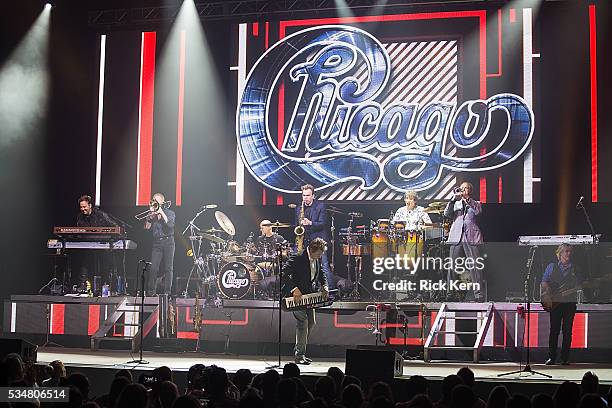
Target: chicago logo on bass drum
pixel 229 280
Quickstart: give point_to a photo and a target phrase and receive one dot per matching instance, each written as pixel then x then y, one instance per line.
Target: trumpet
pixel 154 206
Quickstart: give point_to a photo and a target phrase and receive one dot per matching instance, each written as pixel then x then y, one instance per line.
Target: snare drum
pixel 235 279
pixel 383 224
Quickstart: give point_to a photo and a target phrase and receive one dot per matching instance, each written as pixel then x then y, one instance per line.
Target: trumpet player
pixel 311 215
pixel 161 223
pixel 465 237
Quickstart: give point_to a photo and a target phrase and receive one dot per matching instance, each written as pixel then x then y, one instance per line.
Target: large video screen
pixel 367 108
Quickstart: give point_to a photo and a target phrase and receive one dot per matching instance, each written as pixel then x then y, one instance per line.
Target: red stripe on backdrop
pixel 578 331
pixel 255 29
pixel 500 196
pixel 145 118
pixel 512 15
pixel 593 71
pixel 93 319
pixel 181 104
pixel 483 181
pixel 281 127
pixel 533 331
pixel 57 318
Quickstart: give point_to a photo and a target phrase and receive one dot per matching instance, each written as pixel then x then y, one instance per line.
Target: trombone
pixel 153 208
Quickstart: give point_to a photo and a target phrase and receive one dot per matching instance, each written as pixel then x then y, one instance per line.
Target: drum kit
pixel 385 238
pixel 229 269
pixel 233 270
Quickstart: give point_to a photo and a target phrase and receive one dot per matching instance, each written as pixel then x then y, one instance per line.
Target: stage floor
pixel 115 360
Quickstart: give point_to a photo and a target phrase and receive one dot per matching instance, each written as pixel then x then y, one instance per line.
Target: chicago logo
pixel 339 131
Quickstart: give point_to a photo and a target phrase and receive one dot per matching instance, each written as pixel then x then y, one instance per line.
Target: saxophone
pixel 172 319
pixel 197 314
pixel 299 232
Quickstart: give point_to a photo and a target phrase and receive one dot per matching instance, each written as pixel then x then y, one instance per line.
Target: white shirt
pixel 413 218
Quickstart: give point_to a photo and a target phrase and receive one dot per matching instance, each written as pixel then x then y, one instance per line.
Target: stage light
pixel 49 5
pixel 24 84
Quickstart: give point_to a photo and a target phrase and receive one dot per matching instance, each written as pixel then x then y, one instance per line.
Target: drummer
pixel 266 245
pixel 267 241
pixel 412 214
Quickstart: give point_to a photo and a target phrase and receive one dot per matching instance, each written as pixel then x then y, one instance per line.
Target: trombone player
pixel 160 221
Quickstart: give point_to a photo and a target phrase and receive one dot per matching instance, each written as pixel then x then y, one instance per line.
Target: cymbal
pixel 276 224
pixel 212 238
pixel 433 211
pixel 438 205
pixel 213 230
pixel 225 223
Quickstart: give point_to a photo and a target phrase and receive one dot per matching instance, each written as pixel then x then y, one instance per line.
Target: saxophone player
pixel 311 214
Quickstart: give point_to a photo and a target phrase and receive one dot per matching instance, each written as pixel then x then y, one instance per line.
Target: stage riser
pixel 335 327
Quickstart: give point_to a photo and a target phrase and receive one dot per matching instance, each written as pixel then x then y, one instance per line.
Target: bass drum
pixel 235 279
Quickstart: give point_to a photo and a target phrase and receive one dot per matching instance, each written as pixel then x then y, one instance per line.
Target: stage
pixel 180 362
pixel 469 332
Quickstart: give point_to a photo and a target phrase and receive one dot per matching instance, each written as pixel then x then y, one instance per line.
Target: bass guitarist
pixel 560 283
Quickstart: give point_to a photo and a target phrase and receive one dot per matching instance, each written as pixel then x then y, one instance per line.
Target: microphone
pixel 145 262
pixel 580 202
pixel 208 206
pixel 292 205
pixel 355 214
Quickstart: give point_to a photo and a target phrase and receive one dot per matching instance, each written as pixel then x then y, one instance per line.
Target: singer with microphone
pixel 465 236
pixel 161 224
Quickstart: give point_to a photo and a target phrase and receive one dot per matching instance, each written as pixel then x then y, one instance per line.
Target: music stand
pixel 527 368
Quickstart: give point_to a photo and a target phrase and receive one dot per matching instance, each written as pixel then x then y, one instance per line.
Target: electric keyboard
pixel 61 231
pixel 309 301
pixel 114 245
pixel 537 240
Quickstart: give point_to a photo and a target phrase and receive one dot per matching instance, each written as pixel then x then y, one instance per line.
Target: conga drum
pixel 380 238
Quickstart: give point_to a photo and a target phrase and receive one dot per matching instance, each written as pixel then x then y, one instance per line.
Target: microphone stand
pixel 588 220
pixel 279 261
pixel 527 368
pixel 593 234
pixel 194 254
pixel 141 319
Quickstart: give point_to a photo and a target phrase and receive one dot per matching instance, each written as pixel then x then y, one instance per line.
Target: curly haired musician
pixel 411 213
pixel 161 224
pixel 559 285
pixel 300 277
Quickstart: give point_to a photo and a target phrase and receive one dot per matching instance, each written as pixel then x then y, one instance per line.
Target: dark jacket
pixel 317 214
pixel 296 273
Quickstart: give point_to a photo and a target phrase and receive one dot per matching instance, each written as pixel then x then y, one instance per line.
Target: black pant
pixel 562 314
pixel 163 251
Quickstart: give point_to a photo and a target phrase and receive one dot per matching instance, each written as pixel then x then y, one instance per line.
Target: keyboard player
pixel 90 216
pixel 302 275
pixel 92 262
